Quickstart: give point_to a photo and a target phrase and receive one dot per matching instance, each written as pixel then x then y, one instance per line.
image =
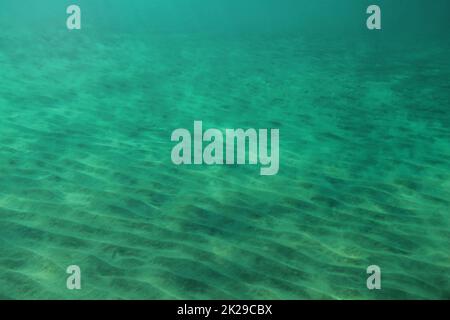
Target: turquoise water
pixel 87 179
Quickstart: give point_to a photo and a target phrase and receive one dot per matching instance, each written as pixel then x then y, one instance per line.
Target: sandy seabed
pixel 86 175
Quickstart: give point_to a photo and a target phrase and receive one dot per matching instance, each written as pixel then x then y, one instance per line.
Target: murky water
pixel 87 179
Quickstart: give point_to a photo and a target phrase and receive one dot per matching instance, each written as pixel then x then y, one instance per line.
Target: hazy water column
pixel 85 129
pixel 342 18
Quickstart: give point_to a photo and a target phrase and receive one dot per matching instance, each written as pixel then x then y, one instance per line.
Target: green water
pixel 86 175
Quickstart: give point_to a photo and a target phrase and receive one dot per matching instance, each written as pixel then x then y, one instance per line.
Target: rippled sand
pixel 86 176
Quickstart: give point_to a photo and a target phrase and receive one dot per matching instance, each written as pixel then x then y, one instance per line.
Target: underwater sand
pixel 86 176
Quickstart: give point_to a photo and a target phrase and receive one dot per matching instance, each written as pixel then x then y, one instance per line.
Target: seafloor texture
pixel 86 176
